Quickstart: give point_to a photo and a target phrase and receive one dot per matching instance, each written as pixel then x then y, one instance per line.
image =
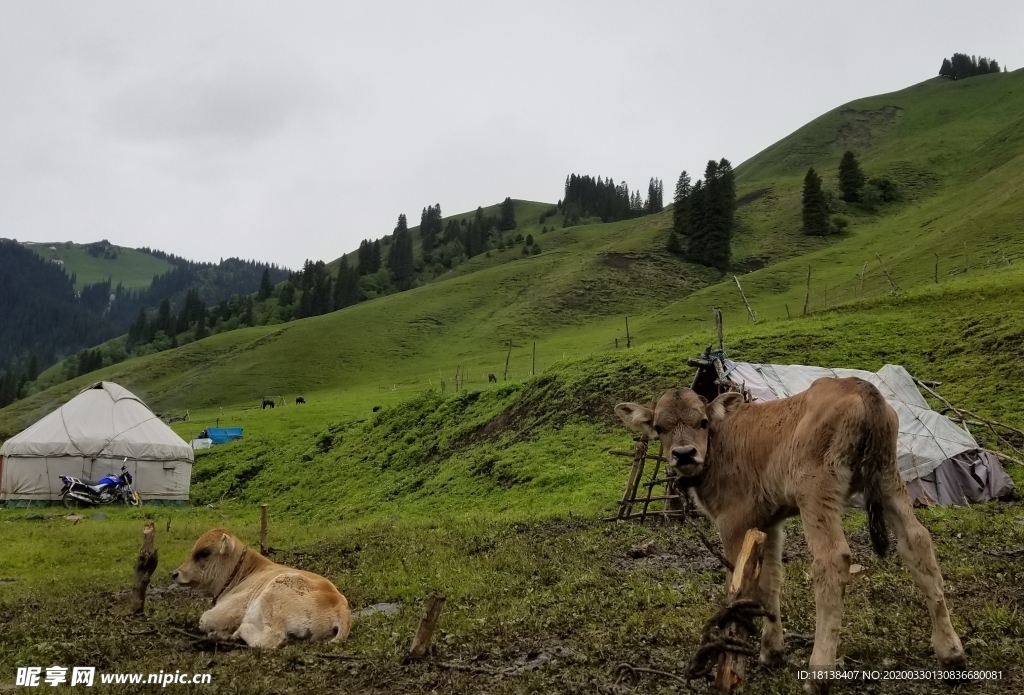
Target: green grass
pixel 132 268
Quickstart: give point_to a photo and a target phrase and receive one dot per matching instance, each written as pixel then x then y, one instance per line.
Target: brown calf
pixel 752 465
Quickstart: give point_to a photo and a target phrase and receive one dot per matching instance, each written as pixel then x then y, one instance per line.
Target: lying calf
pixel 265 604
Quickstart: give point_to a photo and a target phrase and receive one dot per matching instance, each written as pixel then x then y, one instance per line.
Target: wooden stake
pixel 718 329
pixel 425 631
pixel 629 341
pixel 742 585
pixel 936 268
pixel 264 546
pixel 616 343
pixel 887 276
pixel 750 312
pixel 787 312
pixel 504 377
pixel 145 565
pixel 807 295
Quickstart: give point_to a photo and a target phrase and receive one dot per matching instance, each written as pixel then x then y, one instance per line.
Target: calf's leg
pixel 914 545
pixel 770 587
pixel 831 571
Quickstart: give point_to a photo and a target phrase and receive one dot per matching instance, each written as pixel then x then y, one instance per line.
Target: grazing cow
pixel 491 379
pixel 300 401
pixel 265 604
pixel 376 408
pixel 267 403
pixel 752 465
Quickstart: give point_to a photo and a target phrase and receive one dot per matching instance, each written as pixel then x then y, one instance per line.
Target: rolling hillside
pixel 955 147
pixel 132 268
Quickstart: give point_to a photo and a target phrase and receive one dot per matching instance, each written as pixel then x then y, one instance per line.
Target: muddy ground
pixel 544 608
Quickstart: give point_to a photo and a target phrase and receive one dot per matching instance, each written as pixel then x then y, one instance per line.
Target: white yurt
pixel 89 437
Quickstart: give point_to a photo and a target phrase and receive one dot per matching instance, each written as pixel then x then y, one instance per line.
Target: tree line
pixel 703 216
pixel 962 65
pixel 588 197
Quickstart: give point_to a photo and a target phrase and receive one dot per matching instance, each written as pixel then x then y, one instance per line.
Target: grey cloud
pixel 238 103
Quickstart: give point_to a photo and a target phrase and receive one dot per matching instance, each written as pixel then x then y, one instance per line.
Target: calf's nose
pixel 684 454
pixel 174 574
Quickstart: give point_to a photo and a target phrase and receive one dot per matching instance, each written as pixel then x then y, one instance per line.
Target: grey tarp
pixel 89 437
pixel 940 461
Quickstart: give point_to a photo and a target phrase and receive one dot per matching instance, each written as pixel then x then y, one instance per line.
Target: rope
pixel 714 642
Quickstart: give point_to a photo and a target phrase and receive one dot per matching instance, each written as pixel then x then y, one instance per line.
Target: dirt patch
pixel 618 260
pixel 860 126
pixel 680 553
pixel 749 265
pixel 748 198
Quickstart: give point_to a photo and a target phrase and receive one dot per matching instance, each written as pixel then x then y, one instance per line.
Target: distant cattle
pixel 267 403
pixel 376 408
pixel 492 379
pixel 752 465
pixel 300 401
pixel 179 418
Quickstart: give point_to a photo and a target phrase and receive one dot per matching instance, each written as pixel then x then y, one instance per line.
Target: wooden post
pixel 264 546
pixel 616 343
pixel 750 312
pixel 533 369
pixel 718 329
pixel 863 268
pixel 787 311
pixel 504 376
pixel 145 565
pixel 742 585
pixel 807 295
pixel 887 276
pixel 936 268
pixel 425 631
pixel 629 341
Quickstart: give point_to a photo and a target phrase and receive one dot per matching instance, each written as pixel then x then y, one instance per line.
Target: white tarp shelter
pixel 89 437
pixel 941 462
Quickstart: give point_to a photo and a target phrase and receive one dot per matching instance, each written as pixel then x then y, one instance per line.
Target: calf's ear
pixel 636 417
pixel 723 406
pixel 225 545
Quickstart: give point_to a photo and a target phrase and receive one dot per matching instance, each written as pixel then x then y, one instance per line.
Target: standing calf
pixel 752 465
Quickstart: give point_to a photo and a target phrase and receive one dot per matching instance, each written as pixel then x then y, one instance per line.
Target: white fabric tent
pixel 89 437
pixel 940 462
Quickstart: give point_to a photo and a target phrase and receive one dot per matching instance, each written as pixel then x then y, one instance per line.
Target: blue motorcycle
pixel 113 488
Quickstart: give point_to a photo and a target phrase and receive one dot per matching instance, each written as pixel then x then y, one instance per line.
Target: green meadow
pixel 132 268
pixel 494 494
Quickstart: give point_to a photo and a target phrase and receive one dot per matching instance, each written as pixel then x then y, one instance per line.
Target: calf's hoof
pixel 772 658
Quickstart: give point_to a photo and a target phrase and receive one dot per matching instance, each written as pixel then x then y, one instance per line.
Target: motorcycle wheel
pixel 134 500
pixel 71 503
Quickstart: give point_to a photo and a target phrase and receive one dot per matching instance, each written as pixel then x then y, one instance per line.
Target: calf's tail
pixel 877 461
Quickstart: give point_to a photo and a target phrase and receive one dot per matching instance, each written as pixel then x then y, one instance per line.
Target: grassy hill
pixel 132 268
pixel 955 148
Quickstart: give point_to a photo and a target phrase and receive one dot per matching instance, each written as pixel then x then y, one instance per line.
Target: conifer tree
pixel 947 68
pixel 400 259
pixel 681 206
pixel 815 211
pixel 851 178
pixel 507 218
pixel 266 288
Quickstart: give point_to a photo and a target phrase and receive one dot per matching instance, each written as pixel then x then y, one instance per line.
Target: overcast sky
pixel 290 130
